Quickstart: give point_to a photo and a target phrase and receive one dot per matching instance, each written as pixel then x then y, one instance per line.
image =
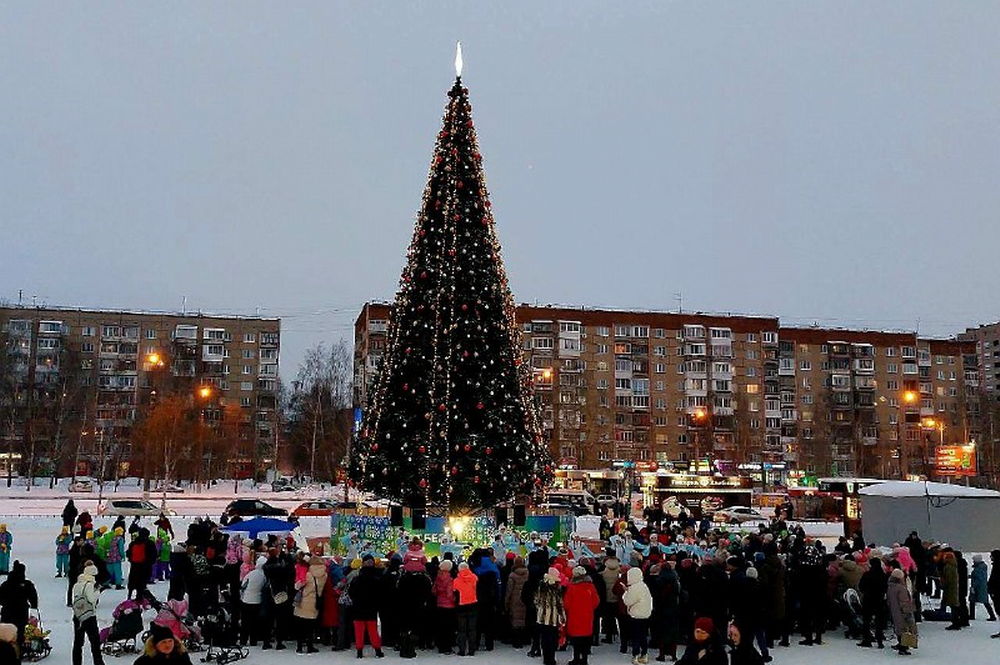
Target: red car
pixel 320 508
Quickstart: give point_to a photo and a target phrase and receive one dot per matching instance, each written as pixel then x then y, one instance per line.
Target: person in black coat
pixel 17 594
pixel 364 592
pixel 75 566
pixel 742 651
pixel 873 587
pixel 812 593
pixel 141 555
pixel 279 571
pixel 414 596
pixel 69 514
pixel 963 588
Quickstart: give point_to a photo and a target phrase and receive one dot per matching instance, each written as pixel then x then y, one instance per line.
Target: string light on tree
pixel 453 421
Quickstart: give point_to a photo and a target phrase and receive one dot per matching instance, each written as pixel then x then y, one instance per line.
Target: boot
pixel 312 649
pixel 361 653
pixel 379 654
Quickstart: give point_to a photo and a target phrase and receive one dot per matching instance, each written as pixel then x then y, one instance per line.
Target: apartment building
pixel 119 362
pixel 743 390
pixel 986 339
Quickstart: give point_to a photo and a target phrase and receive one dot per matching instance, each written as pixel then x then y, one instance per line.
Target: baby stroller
pixel 850 610
pixel 221 634
pixel 173 614
pixel 36 639
pixel 122 636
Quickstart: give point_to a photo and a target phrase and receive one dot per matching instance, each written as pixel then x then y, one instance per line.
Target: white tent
pixel 966 518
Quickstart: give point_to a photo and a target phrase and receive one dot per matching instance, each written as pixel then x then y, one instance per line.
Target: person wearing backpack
pixel 85 599
pixel 141 554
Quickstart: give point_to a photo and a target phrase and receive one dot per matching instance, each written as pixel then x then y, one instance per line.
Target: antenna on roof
pixel 679 297
pixel 184 305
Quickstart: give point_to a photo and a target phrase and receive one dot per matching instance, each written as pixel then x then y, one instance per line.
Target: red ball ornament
pixel 454 470
pixel 476 480
pixel 406 386
pixel 407 350
pixel 423 482
pixel 489 205
pixel 467 447
pixel 480 406
pixel 465 307
pixel 423 449
pixel 468 123
pixel 456 217
pixel 422 233
pixel 486 221
pixel 451 252
pixel 461 184
pixel 441 407
pixel 374 447
pixel 423 275
pixel 489 451
pixel 465 354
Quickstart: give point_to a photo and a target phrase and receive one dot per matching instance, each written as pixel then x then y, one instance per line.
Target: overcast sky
pixel 822 161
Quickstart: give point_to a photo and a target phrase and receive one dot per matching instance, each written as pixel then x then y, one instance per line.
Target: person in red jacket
pixel 581 601
pixel 468 610
pixel 444 595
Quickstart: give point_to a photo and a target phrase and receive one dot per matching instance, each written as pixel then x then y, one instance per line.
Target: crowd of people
pixel 679 589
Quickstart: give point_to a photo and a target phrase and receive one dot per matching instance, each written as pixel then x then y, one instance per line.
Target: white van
pixel 582 501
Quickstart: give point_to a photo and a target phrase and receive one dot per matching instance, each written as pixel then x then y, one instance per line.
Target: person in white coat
pixel 638 603
pixel 252 597
pixel 85 598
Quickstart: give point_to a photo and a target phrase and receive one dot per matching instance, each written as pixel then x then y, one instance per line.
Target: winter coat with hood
pixel 772 580
pixel 516 609
pixel 873 587
pixel 638 600
pixel 978 586
pixel 900 605
pixel 548 600
pixel 86 586
pixel 849 572
pixel 252 587
pixel 312 590
pixel 949 580
pixel 465 585
pixel 612 568
pixel 580 601
pixel 364 590
pixel 444 589
pixel 17 594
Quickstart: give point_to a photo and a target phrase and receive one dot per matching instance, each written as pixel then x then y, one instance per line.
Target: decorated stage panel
pixel 376 535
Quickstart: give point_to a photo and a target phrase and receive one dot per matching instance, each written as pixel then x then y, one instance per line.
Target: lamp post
pixel 909 398
pixel 154 363
pixel 204 393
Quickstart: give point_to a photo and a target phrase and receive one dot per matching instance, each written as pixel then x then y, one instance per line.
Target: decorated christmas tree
pixel 453 422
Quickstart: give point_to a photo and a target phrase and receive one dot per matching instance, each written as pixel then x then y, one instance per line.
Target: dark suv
pixel 254 508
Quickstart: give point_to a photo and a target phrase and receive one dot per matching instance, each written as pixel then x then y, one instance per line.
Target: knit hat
pixel 463 566
pixel 91 570
pixel 511 555
pixel 160 633
pixel 751 573
pixel 446 565
pixel 977 558
pixel 368 560
pixel 705 624
pixel 897 574
pixel 579 571
pixel 355 564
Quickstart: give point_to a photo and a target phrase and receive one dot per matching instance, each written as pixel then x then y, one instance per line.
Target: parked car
pixel 131 508
pixel 82 485
pixel 320 508
pixel 254 508
pixel 283 485
pixel 738 515
pixel 605 500
pixel 169 488
pixel 563 507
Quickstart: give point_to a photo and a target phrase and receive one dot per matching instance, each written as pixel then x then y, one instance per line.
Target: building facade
pixel 741 391
pixel 100 370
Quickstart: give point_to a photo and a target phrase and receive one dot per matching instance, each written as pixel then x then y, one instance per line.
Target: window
pixel 602 384
pixel 753 388
pixel 769 337
pixel 660 368
pixel 752 354
pixel 603 331
pixel 908 352
pixel 543 342
pixel 940 375
pixel 569 344
pixel 805 365
pixel 661 404
pixel 892 368
pixel 623 384
pixel 87 347
pixel 111 331
pixel 268 354
pixel 640 331
pixel 249 338
pixel 150 333
pixel 751 372
pixel 806 382
pixel 659 333
pixel 244 402
pixel 660 351
pixel 569 326
pixel 751 338
pixel 602 348
pixel 807 399
pixel 269 338
pixel 248 354
pixel 892 384
pixel 640 386
pixel 218 334
pixel 246 386
pixel 87 331
pixel 621 331
pixel 248 369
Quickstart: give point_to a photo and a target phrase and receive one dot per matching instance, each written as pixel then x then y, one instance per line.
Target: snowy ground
pixel 33 544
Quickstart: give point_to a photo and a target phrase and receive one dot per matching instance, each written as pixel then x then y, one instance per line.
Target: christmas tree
pixel 453 422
